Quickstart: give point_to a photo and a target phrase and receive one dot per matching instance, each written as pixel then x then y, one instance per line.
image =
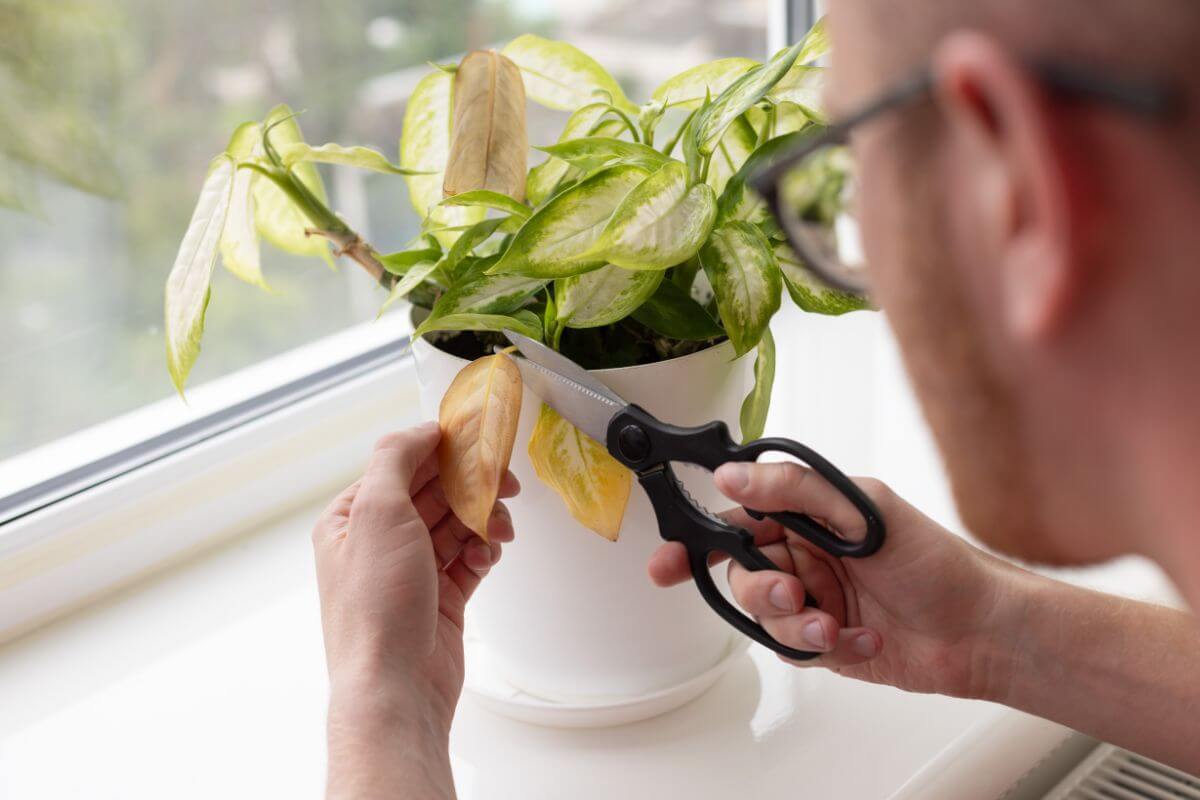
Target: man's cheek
pixel 878 212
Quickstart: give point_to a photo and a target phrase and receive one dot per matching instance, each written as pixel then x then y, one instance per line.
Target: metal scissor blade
pixel 556 362
pixel 583 408
pixel 581 405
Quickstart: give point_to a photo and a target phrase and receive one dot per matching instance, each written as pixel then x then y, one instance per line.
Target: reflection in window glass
pixel 111 109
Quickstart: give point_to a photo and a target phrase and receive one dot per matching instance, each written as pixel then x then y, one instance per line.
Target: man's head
pixel 1039 259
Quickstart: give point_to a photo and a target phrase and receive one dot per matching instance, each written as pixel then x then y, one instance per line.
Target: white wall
pixel 840 388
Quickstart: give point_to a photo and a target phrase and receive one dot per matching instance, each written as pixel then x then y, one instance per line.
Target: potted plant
pixel 634 248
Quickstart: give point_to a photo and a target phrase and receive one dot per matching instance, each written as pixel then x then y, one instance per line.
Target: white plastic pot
pixel 569 616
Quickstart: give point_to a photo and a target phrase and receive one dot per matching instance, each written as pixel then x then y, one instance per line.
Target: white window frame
pixel 267 440
pixel 111 522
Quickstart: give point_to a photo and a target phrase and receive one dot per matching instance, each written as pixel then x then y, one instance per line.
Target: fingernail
pixel 814 633
pixel 734 476
pixel 429 426
pixel 864 645
pixel 781 598
pixel 499 524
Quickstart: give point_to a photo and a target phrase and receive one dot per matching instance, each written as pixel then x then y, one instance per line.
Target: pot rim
pixel 727 343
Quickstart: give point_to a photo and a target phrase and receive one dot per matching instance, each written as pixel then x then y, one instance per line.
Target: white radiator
pixel 1111 773
pixel 1014 756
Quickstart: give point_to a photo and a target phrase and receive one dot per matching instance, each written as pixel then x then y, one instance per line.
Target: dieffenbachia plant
pixel 635 239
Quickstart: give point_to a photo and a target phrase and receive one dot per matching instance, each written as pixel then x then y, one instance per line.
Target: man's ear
pixel 1008 167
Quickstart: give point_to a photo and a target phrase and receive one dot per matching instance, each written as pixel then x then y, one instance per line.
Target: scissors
pixel 648 445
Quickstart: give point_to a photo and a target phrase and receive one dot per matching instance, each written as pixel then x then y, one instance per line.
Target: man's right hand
pixel 927 613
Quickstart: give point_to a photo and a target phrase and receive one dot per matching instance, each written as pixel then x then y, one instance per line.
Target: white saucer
pixel 486 686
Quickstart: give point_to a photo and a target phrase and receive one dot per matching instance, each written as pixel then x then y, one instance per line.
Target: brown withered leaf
pixel 478 417
pixel 489 147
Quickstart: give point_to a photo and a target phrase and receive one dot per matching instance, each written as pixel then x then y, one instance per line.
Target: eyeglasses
pixel 811 189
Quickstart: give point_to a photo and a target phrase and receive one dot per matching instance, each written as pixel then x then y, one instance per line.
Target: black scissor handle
pixel 682 519
pixel 640 440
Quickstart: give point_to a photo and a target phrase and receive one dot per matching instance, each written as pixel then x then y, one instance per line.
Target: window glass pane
pixel 111 109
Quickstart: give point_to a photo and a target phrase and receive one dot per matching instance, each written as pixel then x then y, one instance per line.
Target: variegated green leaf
pixel 523 321
pixel 188 284
pixel 239 240
pixel 710 123
pixel 545 178
pixel 413 278
pixel 753 418
pixel 474 267
pixel 402 262
pixel 802 84
pixel 470 239
pixel 425 142
pixel 736 201
pixel 276 217
pixel 816 43
pixel 672 312
pixel 425 139
pixel 808 292
pixel 487 199
pixel 550 242
pixel 689 88
pixel 734 148
pixel 593 152
pixel 361 157
pixel 741 267
pixel 660 223
pixel 562 76
pixel 488 294
pixel 604 295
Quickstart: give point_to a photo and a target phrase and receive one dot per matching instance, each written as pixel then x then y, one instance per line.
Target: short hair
pixel 1147 39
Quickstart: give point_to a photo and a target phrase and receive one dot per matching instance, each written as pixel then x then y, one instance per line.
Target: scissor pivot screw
pixel 634 443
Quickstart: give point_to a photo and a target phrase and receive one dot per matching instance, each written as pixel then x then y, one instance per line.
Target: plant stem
pixel 327 224
pixel 633 131
pixel 679 133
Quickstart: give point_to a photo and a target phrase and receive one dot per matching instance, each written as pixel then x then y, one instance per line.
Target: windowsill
pixel 208 681
pixel 214 488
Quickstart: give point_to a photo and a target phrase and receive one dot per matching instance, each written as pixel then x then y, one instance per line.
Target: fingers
pixel 669 566
pixel 466 573
pixel 451 536
pixel 395 462
pixel 331 525
pixel 431 503
pixel 850 646
pixel 766 593
pixel 383 508
pixel 784 486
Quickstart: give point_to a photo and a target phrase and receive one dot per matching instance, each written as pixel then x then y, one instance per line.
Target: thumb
pixel 387 483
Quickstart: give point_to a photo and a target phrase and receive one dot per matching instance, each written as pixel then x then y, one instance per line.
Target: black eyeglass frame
pixel 1146 98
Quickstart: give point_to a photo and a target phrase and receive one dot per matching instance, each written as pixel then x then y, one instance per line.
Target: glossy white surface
pixel 208 681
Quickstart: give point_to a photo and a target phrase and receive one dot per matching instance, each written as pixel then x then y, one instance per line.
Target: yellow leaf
pixel 593 484
pixel 489 148
pixel 478 417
